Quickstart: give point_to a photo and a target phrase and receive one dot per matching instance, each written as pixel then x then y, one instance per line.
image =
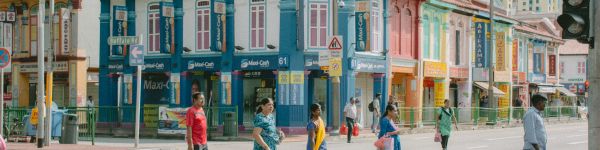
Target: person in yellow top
pixel 316 129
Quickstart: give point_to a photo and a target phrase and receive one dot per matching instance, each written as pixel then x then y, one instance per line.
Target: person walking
pixel 350 114
pixel 316 129
pixel 196 124
pixel 535 133
pixel 266 136
pixel 388 127
pixel 375 109
pixel 444 123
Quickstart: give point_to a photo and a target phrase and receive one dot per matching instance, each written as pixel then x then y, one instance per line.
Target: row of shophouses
pixel 236 52
pixel 420 52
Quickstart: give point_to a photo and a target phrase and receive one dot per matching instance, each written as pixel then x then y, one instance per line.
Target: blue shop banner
pixel 157 65
pixel 537 78
pixel 219 26
pixel 202 64
pixel 311 62
pixel 362 27
pixel 480 45
pixel 368 65
pixel 166 23
pixel 156 89
pixel 119 20
pixel 115 66
pixel 256 62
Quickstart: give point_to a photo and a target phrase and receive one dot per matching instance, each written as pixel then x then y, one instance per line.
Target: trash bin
pixel 230 127
pixel 70 132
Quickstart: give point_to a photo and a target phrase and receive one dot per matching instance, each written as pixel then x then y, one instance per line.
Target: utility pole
pixel 40 87
pixel 49 76
pixel 491 98
pixel 335 80
pixel 594 78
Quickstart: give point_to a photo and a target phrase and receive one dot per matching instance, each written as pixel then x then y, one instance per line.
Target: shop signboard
pixel 60 66
pixel 504 102
pixel 157 65
pixel 500 52
pixel 502 76
pixel 283 87
pixel 458 72
pixel 368 65
pixel 219 25
pixel 151 116
pixel 362 24
pixel 480 74
pixel 480 45
pixel 311 62
pixel 440 92
pixel 256 62
pixel 515 55
pixel 296 88
pixel 115 66
pixel 171 120
pixel 539 78
pixel 203 64
pixel 156 89
pixel 435 69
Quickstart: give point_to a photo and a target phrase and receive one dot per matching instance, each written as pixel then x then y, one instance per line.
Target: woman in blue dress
pixel 266 136
pixel 387 126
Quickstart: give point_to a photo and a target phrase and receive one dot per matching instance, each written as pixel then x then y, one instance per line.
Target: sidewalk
pixel 154 144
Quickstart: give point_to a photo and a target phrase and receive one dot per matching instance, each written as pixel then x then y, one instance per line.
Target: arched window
pixel 203 25
pixel 154 28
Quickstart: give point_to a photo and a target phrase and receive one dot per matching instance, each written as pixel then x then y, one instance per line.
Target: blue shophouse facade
pixel 237 52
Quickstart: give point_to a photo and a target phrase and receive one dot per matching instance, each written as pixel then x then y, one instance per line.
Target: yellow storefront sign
pixel 440 93
pixel 504 102
pixel 435 69
pixel 335 67
pixel 34 116
pixel 297 77
pixel 284 77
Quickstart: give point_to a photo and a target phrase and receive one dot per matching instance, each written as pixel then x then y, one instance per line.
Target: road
pixel 571 136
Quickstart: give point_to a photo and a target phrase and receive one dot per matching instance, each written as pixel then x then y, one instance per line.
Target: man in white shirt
pixel 350 113
pixel 535 133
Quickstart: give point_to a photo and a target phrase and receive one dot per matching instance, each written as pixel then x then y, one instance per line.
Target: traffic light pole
pixel 491 100
pixel 335 80
pixel 594 78
pixel 40 86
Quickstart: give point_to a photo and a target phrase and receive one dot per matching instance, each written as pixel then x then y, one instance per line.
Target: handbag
pixel 438 137
pixel 2 143
pixel 343 130
pixel 355 130
pixel 384 143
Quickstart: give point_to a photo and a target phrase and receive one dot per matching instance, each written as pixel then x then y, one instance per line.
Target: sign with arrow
pixel 136 56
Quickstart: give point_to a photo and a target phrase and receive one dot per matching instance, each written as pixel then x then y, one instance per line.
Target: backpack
pixel 371 108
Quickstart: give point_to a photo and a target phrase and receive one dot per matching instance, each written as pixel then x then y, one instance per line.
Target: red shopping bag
pixel 355 130
pixel 438 137
pixel 384 143
pixel 343 130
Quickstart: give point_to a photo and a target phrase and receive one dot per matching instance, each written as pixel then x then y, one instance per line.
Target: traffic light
pixel 575 20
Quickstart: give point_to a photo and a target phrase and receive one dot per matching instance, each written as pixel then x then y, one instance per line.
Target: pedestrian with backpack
pixel 374 108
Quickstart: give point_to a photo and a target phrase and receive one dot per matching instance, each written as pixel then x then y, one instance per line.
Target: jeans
pixel 200 147
pixel 350 124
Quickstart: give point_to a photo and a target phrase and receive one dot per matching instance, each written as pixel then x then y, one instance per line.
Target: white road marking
pixel 576 135
pixel 478 147
pixel 510 137
pixel 575 143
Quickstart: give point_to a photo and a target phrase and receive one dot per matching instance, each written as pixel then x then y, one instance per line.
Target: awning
pixel 565 91
pixel 485 86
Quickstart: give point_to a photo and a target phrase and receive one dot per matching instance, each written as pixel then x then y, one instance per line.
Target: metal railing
pixel 412 117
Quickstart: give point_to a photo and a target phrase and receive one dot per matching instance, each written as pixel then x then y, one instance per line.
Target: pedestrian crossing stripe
pixel 335 44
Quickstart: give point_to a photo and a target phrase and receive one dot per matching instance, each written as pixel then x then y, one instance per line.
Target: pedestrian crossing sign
pixel 335 43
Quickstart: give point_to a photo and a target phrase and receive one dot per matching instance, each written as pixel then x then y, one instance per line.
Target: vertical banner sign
pixel 503 102
pixel 8 35
pixel 2 16
pixel 480 45
pixel 362 25
pixel 440 92
pixel 220 26
pixel 119 25
pixel 515 55
pixel 296 89
pixel 65 30
pixel 166 30
pixel 500 52
pixel 283 88
pixel 552 65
